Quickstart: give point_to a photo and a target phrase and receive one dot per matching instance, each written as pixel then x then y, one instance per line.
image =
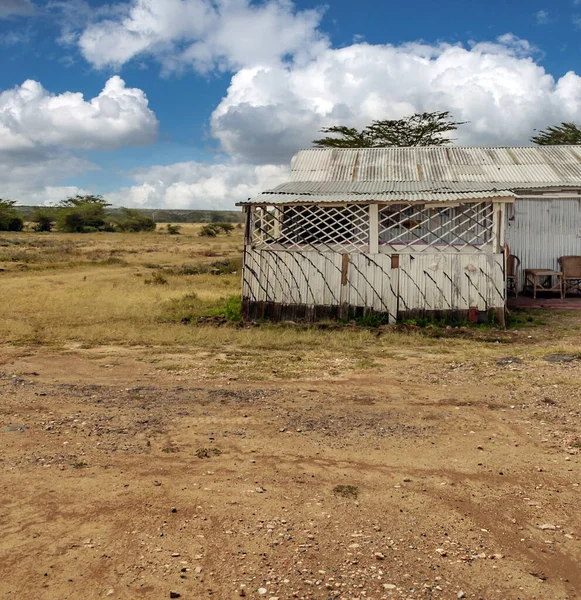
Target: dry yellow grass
pixel 91 290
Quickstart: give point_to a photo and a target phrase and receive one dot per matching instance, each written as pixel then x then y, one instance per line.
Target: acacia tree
pixel 563 134
pixel 10 219
pixel 80 214
pixel 420 129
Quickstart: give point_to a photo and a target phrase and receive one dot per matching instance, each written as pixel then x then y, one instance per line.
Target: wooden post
pixel 247 225
pixel 343 299
pixel 373 229
pixel 278 216
pixel 498 227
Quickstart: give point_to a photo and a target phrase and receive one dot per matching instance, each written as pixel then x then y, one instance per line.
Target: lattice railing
pixel 420 226
pixel 344 228
pixel 347 228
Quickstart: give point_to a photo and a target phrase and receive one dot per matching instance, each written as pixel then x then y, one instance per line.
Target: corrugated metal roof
pixel 380 187
pixel 549 165
pixel 428 174
pixel 396 196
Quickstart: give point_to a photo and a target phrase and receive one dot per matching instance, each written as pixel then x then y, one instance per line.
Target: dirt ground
pixel 418 478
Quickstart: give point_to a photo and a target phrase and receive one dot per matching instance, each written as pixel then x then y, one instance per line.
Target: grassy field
pixel 150 289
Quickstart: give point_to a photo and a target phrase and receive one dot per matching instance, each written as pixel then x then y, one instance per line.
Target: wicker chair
pixel 571 269
pixel 512 269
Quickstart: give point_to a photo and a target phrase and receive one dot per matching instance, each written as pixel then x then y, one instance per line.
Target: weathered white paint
pixel 539 231
pixel 451 282
pixel 422 282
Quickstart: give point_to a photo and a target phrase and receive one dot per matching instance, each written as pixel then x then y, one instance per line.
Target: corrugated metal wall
pixel 539 231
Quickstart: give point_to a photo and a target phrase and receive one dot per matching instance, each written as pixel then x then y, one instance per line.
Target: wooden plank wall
pixel 398 285
pixel 451 282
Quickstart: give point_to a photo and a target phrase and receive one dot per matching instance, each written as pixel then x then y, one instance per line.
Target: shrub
pixel 132 221
pixel 10 219
pixel 208 231
pixel 173 229
pixel 43 219
pixel 213 229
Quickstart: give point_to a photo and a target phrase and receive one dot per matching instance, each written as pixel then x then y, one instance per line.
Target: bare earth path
pixel 122 482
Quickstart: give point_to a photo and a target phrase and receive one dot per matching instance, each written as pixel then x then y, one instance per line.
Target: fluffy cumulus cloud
pixel 10 8
pixel 43 136
pixel 31 117
pixel 203 34
pixel 198 185
pixel 272 111
pixel 36 178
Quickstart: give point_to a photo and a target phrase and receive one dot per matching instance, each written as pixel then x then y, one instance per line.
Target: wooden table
pixel 541 280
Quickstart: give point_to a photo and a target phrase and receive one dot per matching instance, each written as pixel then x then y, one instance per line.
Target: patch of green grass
pixel 523 319
pixel 191 309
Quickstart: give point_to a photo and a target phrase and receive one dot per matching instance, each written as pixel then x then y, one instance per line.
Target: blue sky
pixel 201 103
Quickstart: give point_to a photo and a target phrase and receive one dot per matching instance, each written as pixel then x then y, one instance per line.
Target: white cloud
pixel 9 8
pixel 270 112
pixel 202 34
pixel 198 185
pixel 37 178
pixel 31 117
pixel 542 17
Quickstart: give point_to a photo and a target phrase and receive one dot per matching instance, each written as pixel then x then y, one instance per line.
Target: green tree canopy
pixel 133 221
pixel 10 219
pixel 421 129
pixel 80 214
pixel 563 134
pixel 43 218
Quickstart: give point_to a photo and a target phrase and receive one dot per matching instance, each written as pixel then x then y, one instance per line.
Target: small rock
pixel 156 483
pixel 389 586
pixel 461 595
pixel 260 490
pixel 176 555
pixel 110 592
pixel 198 570
pixel 407 480
pixel 262 591
pixel 242 593
pixel 174 509
pixel 547 526
pixel 175 595
pixel 379 556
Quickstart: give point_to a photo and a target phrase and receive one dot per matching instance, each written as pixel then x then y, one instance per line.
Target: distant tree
pixel 82 214
pixel 43 219
pixel 563 134
pixel 420 129
pixel 132 221
pixel 10 219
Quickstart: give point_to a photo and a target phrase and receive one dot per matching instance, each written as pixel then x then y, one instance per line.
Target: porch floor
pixel 548 302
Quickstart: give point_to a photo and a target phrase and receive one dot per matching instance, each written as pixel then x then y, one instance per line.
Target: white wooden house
pixel 406 232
